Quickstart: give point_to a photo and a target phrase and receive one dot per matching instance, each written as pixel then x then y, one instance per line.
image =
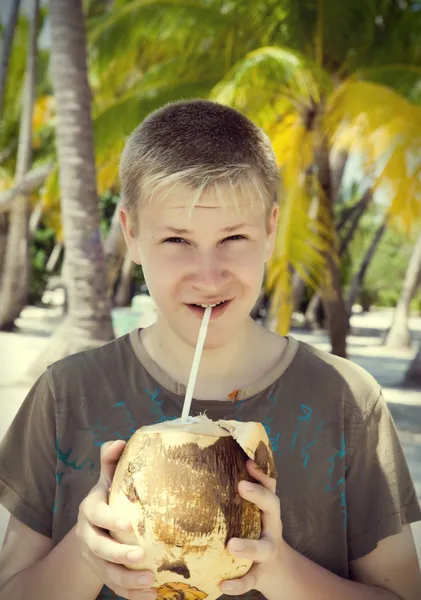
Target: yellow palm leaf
pixel 385 129
pixel 50 198
pixel 300 242
pixel 6 180
pixel 107 171
pixel 268 81
pixel 42 113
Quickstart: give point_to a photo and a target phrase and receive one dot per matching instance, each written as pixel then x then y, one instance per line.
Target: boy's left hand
pixel 265 552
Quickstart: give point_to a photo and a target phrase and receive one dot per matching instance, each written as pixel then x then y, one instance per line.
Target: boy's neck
pixel 222 370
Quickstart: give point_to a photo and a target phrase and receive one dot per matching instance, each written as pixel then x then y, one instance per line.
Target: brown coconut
pixel 177 482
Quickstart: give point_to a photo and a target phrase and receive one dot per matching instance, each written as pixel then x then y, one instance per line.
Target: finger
pixel 264 499
pixel 118 576
pixel 106 548
pixel 97 511
pixel 130 594
pixel 259 551
pixel 257 473
pixel 236 587
pixel 146 595
pixel 110 455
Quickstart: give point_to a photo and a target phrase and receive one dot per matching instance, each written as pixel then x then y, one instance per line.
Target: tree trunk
pixel 365 263
pixel 28 184
pixel 9 34
pixel 123 293
pixel 15 276
pixel 35 218
pixel 413 375
pixel 337 171
pixel 115 249
pixel 351 218
pixel 333 301
pixel 3 240
pixel 354 221
pixel 54 257
pixel 399 335
pixel 313 317
pixel 88 322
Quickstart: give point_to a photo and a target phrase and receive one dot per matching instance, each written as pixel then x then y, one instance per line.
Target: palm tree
pixel 413 375
pixel 251 57
pixel 88 322
pixel 358 278
pixel 399 335
pixel 15 272
pixel 311 114
pixel 7 49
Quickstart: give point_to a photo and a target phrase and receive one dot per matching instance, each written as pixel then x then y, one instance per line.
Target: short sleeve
pixel 28 460
pixel 380 493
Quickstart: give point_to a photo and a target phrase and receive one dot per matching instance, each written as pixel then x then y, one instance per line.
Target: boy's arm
pixel 84 561
pixel 390 572
pixel 31 568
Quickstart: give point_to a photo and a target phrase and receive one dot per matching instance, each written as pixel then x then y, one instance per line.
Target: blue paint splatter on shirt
pixel 303 418
pixel 157 406
pixel 336 462
pixel 64 457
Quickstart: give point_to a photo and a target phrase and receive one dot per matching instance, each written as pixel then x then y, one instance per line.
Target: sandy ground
pixel 18 350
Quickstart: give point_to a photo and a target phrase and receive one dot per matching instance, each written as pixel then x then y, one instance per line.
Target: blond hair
pixel 200 144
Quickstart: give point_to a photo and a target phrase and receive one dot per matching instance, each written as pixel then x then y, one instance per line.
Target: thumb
pixel 110 455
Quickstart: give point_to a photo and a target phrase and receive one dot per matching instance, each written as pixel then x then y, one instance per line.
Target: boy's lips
pixel 217 311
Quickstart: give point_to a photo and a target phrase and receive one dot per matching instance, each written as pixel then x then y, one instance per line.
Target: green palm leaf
pixel 267 75
pixel 157 28
pixel 113 125
pixel 404 79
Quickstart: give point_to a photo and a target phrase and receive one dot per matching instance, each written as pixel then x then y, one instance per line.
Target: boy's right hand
pixel 105 555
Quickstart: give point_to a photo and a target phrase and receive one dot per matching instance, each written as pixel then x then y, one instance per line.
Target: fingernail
pixel 237 545
pixel 145 579
pixel 124 525
pixel 227 587
pixel 248 487
pixel 135 555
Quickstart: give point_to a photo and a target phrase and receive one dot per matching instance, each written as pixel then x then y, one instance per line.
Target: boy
pixel 199 213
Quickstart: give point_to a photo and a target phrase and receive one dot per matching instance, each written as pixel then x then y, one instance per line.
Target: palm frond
pixel 301 240
pixel 396 35
pixel 385 129
pixel 268 74
pixel 404 79
pixel 50 199
pixel 15 80
pixel 114 124
pixel 157 28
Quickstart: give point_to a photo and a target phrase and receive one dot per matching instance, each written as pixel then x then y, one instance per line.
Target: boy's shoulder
pixel 333 376
pixel 95 364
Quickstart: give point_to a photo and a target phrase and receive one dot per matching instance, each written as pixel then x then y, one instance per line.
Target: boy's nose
pixel 209 274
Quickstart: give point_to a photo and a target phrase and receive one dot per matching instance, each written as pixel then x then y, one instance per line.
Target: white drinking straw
pixel 196 363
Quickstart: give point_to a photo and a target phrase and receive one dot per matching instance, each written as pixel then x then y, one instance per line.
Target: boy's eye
pixel 234 238
pixel 175 240
pixel 179 240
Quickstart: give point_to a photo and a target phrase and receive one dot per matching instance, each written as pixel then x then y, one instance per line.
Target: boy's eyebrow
pixel 228 229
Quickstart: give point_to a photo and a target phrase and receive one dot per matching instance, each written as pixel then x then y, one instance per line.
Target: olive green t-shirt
pixel 343 480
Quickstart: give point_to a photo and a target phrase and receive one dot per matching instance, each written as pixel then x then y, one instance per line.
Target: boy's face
pixel 215 252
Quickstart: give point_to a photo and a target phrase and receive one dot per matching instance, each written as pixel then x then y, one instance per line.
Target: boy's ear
pixel 129 232
pixel 272 228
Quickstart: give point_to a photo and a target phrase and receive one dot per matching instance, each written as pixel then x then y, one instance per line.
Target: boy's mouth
pixel 217 309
